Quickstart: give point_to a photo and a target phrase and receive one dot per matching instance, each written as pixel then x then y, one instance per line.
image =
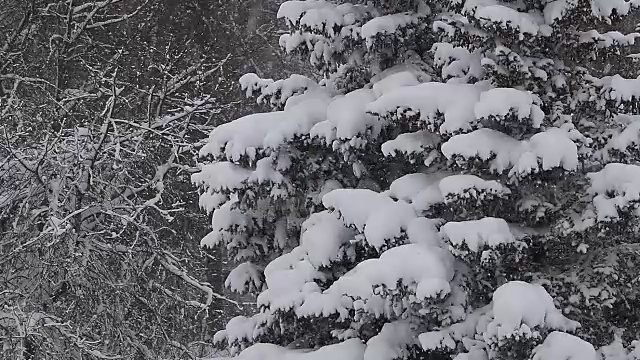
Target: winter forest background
pixel 423 179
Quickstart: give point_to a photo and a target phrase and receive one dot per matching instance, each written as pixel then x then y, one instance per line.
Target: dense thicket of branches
pixel 101 104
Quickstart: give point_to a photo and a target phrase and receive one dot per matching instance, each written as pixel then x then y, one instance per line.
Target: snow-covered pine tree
pixel 462 183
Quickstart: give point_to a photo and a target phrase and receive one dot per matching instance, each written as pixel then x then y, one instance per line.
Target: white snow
pixel 346 117
pixel 393 82
pixel 291 277
pixel 519 307
pixel 421 190
pixel 424 269
pixel 476 234
pixel 355 205
pixel 224 218
pixel 620 89
pixel 543 151
pixel 434 340
pixel 321 26
pixel 484 144
pixel 617 351
pixel 554 148
pixel 293 10
pixel 426 190
pixel 352 349
pixel 375 214
pixel 473 354
pixel 330 16
pixel 391 343
pixel 316 12
pixel 443 27
pixel 290 42
pixel 239 328
pixel 251 82
pixel 623 181
pixel 408 186
pixel 425 231
pixel 321 237
pixel 411 143
pixel 387 24
pixel 558 9
pixel 246 135
pixel 220 176
pixel 211 201
pixel 501 101
pixel 562 346
pixel 454 101
pixel 608 39
pixel 388 222
pixel 458 64
pixel 243 274
pixel 327 187
pixel 389 82
pixel 266 172
pixel 629 137
pixel 605 8
pixel 470 185
pixel 285 88
pixel 427 198
pixel 468 332
pixel 508 18
pixel 626 119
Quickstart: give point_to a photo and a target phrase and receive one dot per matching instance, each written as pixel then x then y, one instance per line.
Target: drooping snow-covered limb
pixel 168 263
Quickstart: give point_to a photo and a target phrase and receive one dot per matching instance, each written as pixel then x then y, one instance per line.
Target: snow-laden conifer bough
pixel 462 183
